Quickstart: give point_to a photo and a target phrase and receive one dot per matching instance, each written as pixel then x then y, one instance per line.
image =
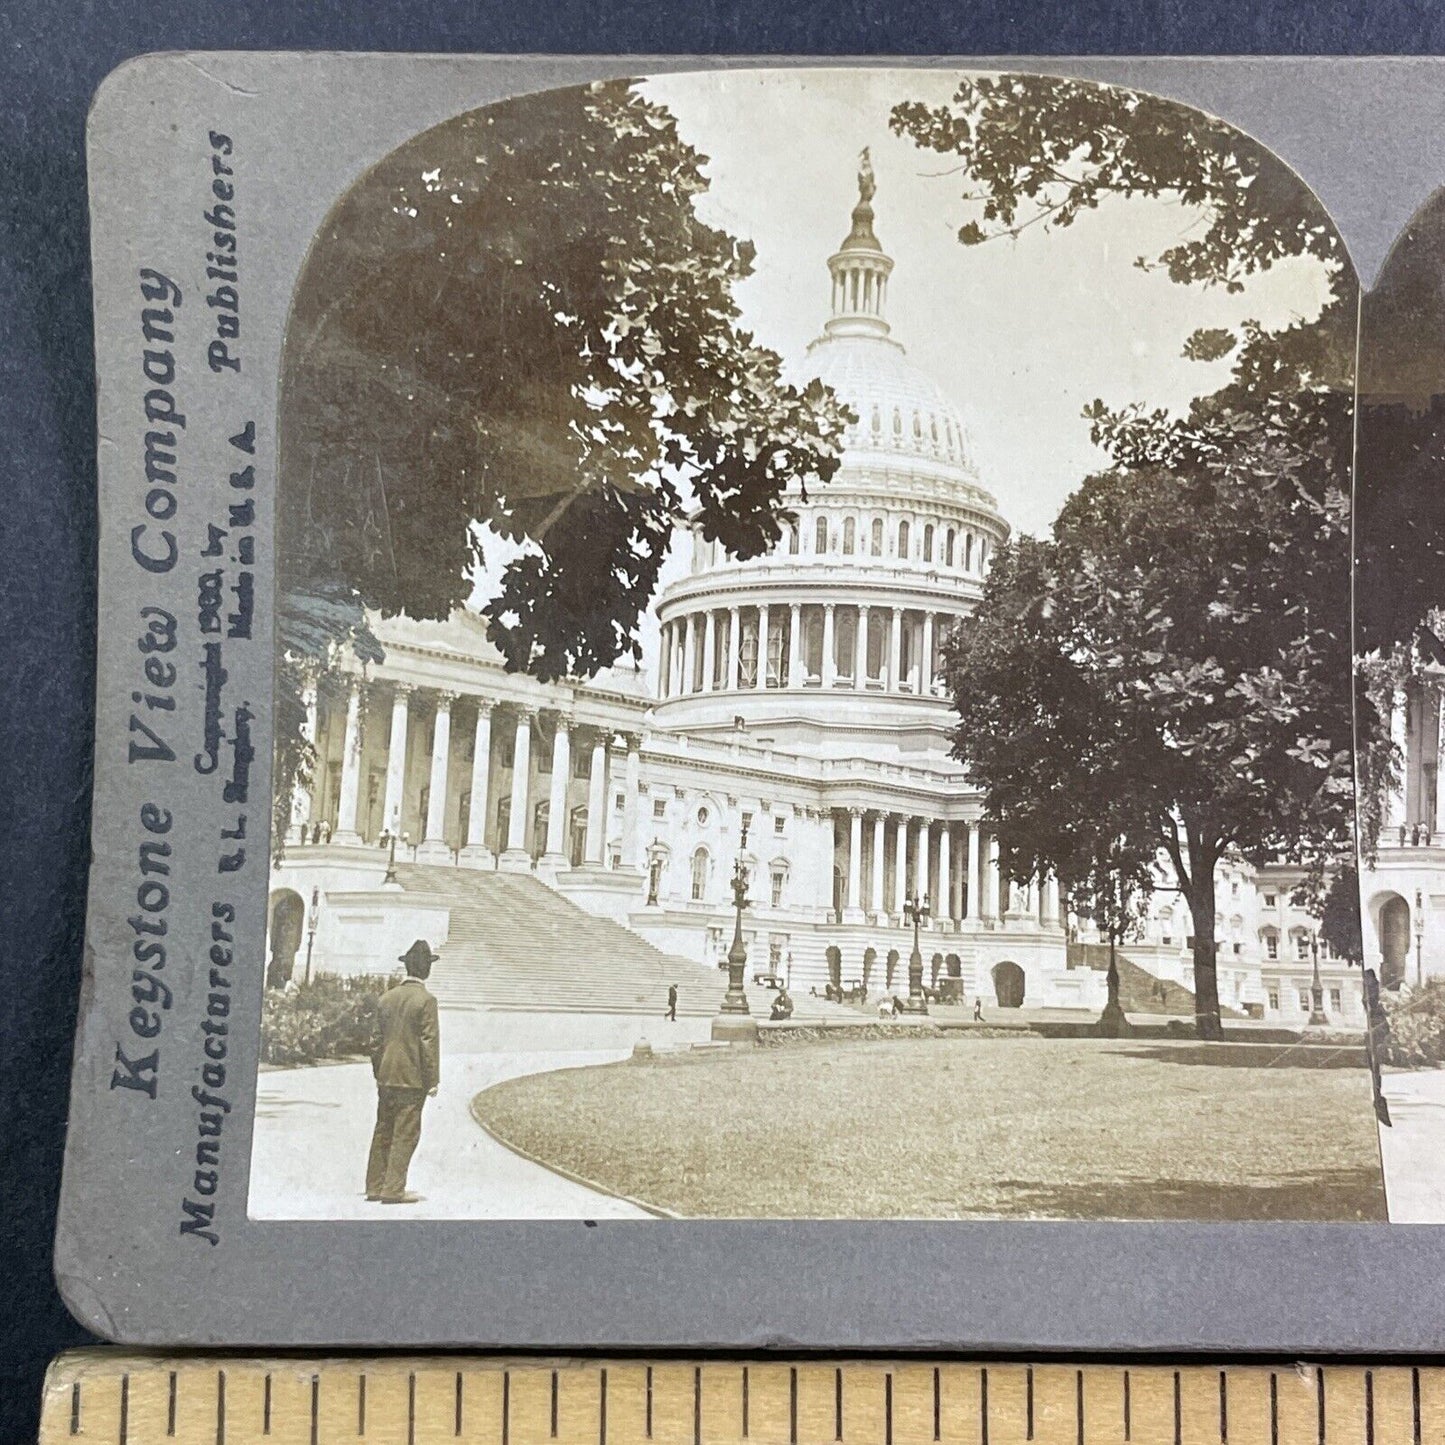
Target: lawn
pixel 954 1128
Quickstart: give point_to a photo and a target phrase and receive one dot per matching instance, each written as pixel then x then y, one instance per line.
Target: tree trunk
pixel 1206 979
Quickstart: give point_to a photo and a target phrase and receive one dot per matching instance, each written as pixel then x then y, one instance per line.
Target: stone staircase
pixel 516 945
pixel 1140 992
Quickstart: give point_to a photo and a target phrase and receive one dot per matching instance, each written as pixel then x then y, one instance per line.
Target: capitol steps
pixel 1140 991
pixel 514 944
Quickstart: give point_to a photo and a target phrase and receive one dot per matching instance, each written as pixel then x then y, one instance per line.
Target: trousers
pixel 394 1140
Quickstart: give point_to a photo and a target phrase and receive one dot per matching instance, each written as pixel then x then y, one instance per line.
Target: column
pixel 895 651
pixel 972 884
pixel 735 647
pixel 434 844
pixel 945 874
pixel 990 880
pixel 917 668
pixel 795 645
pixel 860 649
pixel 515 859
pixel 1051 901
pixel 674 659
pixel 709 649
pixel 476 852
pixel 762 680
pixel 1395 796
pixel 927 658
pixel 597 801
pixel 632 776
pixel 557 799
pixel 689 653
pixel 396 761
pixel 900 864
pixel 829 670
pixel 878 857
pixel 301 793
pixel 1434 818
pixel 350 769
pixel 853 904
pixel 920 858
pixel 664 660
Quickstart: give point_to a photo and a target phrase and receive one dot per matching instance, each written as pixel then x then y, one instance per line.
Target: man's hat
pixel 420 952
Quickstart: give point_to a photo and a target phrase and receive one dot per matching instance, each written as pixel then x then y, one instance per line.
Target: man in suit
pixel 407 1066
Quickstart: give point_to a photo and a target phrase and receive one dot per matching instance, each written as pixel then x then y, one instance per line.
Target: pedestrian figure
pixel 407 1066
pixel 672 1002
pixel 978 1010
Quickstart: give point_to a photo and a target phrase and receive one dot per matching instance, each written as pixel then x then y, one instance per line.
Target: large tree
pixel 516 327
pixel 1198 590
pixel 1028 698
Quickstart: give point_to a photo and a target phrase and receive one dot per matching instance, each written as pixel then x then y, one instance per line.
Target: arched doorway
pixel 288 923
pixel 891 966
pixel 1394 941
pixel 935 968
pixel 1008 985
pixel 834 956
pixel 870 959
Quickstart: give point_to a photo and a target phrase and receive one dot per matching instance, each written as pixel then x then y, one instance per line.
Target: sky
pixel 1020 333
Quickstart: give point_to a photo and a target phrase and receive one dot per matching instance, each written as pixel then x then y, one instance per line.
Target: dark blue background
pixel 52 56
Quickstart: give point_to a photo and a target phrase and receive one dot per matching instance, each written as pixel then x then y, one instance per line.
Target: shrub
pixel 1417 1025
pixel 329 1018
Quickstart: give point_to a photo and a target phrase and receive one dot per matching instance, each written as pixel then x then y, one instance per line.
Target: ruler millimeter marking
pixel 110 1397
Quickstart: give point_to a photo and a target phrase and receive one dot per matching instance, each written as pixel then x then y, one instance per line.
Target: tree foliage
pixel 516 326
pixel 1340 915
pixel 1044 150
pixel 1177 656
pixel 514 334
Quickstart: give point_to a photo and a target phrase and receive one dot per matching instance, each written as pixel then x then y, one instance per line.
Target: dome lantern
pixel 860 268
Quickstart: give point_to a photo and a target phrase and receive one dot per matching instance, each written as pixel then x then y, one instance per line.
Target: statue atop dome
pixel 867 185
pixel 861 237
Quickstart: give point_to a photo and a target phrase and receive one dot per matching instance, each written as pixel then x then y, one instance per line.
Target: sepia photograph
pixel 1400 642
pixel 814 672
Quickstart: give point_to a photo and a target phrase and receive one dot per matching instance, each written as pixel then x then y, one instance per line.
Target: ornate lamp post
pixel 655 855
pixel 734 1022
pixel 915 910
pixel 312 915
pixel 1318 1017
pixel 388 841
pixel 1419 938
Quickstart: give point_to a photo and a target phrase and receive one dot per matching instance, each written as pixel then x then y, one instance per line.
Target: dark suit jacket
pixel 409 1056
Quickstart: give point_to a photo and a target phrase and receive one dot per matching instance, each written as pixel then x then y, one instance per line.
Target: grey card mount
pixel 725 706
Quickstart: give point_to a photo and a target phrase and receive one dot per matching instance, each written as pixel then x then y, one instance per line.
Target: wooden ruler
pixel 116 1398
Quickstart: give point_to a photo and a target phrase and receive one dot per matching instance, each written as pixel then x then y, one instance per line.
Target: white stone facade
pixel 1403 895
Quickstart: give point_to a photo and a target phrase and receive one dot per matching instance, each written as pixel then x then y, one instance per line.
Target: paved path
pixel 313 1129
pixel 1413 1149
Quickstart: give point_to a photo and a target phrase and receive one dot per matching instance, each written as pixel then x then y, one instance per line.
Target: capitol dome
pixel 873 570
pixel 901 410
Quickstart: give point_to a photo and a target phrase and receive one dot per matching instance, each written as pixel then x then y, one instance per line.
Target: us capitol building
pixel 795 698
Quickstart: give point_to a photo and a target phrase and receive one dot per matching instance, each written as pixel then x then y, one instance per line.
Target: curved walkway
pixel 1411 1151
pixel 313 1130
